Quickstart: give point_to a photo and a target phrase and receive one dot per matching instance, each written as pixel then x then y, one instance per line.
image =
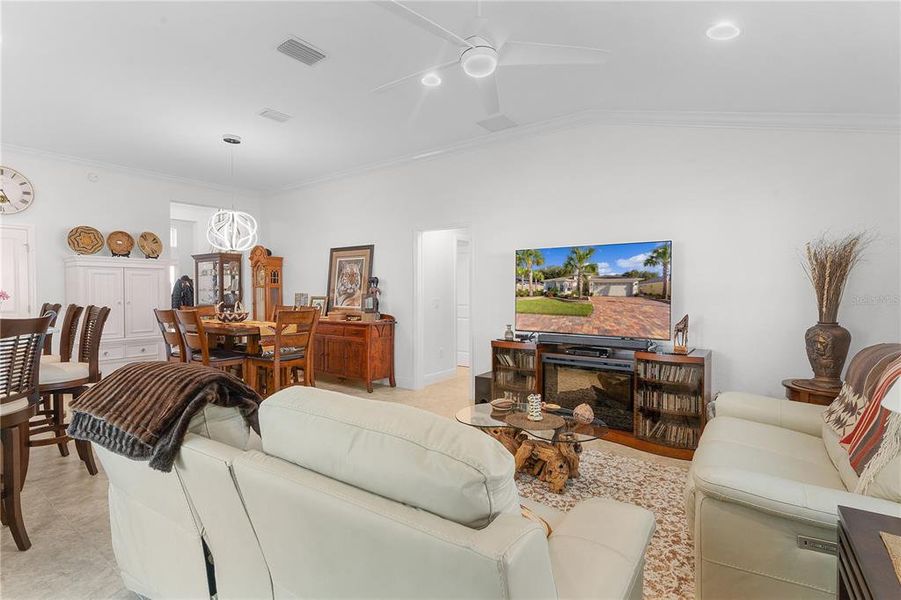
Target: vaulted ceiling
pixel 154 85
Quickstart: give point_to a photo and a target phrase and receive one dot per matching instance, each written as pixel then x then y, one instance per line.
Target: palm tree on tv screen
pixel 529 259
pixel 577 262
pixel 660 257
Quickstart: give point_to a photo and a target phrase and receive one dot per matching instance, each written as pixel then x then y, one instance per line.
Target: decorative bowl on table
pixel 234 315
pixel 502 405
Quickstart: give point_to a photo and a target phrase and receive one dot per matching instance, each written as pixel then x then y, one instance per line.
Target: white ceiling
pixel 154 85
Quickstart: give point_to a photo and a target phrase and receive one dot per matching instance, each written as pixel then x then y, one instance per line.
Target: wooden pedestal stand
pixel 552 462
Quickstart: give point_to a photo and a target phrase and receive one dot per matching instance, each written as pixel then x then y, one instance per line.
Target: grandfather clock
pixel 267 283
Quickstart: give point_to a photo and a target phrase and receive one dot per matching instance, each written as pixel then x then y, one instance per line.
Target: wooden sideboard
pixel 355 350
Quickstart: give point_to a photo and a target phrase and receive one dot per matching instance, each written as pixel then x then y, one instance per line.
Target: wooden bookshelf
pixel 516 370
pixel 672 392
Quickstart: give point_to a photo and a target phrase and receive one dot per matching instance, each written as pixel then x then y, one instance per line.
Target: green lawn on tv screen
pixel 553 306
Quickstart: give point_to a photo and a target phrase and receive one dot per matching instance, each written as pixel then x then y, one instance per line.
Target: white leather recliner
pixel 767 475
pixel 358 498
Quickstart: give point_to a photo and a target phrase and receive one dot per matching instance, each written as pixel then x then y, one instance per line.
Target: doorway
pixel 442 303
pixel 17 271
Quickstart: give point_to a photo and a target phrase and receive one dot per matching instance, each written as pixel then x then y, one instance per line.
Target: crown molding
pixel 87 162
pixel 822 122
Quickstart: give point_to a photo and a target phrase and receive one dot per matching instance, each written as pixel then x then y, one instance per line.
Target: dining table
pixel 251 331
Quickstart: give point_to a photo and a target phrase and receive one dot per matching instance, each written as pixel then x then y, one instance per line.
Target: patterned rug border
pixel 669 560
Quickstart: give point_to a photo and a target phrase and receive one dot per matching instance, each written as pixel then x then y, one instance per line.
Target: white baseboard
pixel 430 378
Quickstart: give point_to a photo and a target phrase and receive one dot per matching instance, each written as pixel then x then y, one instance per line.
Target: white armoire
pixel 131 288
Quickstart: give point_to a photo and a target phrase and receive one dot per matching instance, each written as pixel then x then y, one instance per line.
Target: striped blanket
pixel 142 410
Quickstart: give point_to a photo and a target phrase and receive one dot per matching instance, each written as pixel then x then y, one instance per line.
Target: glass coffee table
pixel 548 449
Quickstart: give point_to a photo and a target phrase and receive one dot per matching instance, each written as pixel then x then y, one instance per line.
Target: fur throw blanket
pixel 142 410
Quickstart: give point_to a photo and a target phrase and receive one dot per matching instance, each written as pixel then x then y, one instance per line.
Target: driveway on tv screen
pixel 615 316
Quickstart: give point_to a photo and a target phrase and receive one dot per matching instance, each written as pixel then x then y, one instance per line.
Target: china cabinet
pixel 217 278
pixel 131 288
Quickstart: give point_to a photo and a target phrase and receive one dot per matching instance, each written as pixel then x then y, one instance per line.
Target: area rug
pixel 669 562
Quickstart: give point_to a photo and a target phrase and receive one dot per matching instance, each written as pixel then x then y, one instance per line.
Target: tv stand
pixel 669 392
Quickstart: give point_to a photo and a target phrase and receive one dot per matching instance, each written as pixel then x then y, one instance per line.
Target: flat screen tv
pixel 611 290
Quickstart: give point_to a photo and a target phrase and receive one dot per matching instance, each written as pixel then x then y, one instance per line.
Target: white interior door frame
pixel 419 301
pixel 30 263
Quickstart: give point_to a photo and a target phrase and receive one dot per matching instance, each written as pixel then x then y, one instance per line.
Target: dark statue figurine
pixel 371 301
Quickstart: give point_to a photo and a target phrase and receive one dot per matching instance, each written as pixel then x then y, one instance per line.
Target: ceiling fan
pixel 481 53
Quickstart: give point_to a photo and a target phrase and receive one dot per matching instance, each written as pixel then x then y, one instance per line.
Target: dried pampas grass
pixel 828 264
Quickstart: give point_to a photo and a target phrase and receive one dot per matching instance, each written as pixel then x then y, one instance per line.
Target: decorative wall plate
pixel 150 244
pixel 85 240
pixel 120 243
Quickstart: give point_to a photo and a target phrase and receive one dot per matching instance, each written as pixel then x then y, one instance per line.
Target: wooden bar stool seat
pixel 21 342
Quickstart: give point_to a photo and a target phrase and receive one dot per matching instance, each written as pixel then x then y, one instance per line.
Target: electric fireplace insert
pixel 605 384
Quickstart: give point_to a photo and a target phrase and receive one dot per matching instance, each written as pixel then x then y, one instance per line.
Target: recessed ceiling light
pixel 723 31
pixel 431 80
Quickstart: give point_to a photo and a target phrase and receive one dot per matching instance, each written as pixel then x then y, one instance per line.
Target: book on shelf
pixel 513 379
pixel 658 399
pixel 669 432
pixel 684 374
pixel 516 358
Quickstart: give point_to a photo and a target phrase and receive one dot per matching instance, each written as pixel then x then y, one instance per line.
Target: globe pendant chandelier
pixel 232 230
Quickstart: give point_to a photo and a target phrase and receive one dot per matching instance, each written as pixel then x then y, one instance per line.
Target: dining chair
pixel 53 309
pixel 279 308
pixel 204 310
pixel 21 343
pixel 291 351
pixel 197 348
pixel 71 377
pixel 172 340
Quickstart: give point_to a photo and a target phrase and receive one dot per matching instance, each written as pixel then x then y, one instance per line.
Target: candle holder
pixel 534 410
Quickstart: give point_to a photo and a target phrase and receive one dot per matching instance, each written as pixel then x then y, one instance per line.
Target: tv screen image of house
pixel 615 290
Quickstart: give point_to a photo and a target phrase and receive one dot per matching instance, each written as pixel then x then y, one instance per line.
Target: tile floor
pixel 66 512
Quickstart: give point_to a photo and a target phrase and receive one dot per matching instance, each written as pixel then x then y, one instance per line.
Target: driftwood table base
pixel 552 462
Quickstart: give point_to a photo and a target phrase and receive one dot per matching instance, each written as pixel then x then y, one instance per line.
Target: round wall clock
pixel 16 192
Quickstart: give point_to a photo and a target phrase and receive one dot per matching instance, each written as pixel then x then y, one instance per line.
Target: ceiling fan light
pixel 479 61
pixel 431 80
pixel 723 31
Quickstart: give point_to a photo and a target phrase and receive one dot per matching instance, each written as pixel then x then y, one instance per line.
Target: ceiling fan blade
pixel 413 76
pixel 488 92
pixel 536 53
pixel 423 22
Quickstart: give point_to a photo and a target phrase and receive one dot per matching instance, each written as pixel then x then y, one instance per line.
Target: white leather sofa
pixel 768 473
pixel 355 498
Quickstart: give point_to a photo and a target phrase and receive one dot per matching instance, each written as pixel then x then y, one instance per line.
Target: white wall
pixel 737 203
pixel 117 198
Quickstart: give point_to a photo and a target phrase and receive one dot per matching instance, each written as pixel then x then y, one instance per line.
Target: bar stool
pixel 48 338
pixel 71 377
pixel 67 335
pixel 21 342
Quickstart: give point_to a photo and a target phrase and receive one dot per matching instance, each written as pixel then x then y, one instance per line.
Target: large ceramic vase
pixel 827 349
